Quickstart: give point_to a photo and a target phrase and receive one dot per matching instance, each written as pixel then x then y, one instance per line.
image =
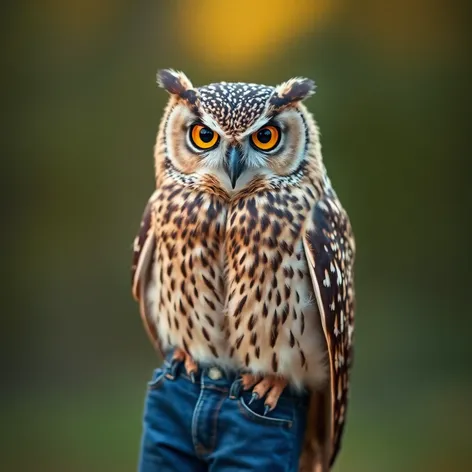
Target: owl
pixel 245 255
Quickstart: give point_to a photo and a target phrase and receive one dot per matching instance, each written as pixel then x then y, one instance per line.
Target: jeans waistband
pixel 219 378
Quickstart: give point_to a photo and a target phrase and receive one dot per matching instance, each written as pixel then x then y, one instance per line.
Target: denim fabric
pixel 210 426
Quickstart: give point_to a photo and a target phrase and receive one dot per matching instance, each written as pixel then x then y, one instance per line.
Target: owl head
pixel 236 133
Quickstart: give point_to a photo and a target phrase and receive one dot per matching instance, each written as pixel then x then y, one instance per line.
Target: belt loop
pixel 173 369
pixel 235 390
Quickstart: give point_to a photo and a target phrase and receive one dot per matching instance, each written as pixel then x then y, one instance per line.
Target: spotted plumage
pixel 245 255
pixel 235 106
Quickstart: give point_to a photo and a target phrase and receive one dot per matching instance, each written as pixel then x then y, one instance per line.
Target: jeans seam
pixel 157 379
pixel 214 420
pixel 196 412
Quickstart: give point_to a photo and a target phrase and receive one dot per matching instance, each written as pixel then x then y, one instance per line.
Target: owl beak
pixel 234 164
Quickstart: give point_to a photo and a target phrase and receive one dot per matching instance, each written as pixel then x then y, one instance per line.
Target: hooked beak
pixel 234 165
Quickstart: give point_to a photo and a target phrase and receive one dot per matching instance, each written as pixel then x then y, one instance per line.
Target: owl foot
pixel 269 386
pixel 190 365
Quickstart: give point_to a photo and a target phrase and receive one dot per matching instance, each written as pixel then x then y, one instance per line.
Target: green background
pixel 80 113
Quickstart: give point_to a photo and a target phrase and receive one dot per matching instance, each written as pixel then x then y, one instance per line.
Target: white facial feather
pixel 288 154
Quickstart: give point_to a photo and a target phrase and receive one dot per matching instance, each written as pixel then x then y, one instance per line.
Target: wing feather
pixel 330 249
pixel 144 250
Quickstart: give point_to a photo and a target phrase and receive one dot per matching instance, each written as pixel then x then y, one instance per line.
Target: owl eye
pixel 203 137
pixel 266 138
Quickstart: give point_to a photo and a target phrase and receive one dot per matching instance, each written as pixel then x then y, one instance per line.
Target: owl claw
pixel 270 387
pixel 254 397
pixel 190 365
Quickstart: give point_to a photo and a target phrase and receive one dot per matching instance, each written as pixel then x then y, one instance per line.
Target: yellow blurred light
pixel 245 33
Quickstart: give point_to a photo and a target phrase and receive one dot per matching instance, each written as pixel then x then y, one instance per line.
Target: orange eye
pixel 203 137
pixel 266 138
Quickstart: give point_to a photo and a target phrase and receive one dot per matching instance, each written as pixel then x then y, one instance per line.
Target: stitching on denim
pixel 235 389
pixel 155 382
pixel 196 444
pixel 262 419
pixel 175 369
pixel 214 420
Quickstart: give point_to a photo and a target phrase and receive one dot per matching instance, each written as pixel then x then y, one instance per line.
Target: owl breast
pixel 188 290
pixel 273 318
pixel 231 283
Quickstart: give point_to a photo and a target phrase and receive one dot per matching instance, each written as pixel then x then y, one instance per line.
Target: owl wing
pixel 144 251
pixel 330 250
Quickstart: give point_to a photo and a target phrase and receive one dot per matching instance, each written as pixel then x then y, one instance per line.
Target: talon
pixel 179 356
pixel 174 365
pixel 271 387
pixel 190 365
pixel 254 397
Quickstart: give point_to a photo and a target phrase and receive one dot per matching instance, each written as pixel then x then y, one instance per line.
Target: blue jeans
pixel 210 426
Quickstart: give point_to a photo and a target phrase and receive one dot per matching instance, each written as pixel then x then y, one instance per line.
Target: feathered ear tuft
pixel 177 83
pixel 294 90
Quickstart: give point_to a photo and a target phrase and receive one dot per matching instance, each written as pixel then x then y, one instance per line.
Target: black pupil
pixel 206 135
pixel 264 135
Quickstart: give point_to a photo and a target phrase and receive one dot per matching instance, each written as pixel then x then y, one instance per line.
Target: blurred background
pixel 81 109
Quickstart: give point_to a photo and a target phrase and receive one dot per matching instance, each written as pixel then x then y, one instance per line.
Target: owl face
pixel 235 132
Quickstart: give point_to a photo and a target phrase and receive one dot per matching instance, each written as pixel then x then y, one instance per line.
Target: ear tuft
pixel 176 83
pixel 294 90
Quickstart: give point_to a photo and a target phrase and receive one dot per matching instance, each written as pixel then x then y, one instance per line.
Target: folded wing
pixel 144 251
pixel 330 250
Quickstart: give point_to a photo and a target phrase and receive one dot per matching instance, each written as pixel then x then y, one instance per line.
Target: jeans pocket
pixel 281 416
pixel 157 379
